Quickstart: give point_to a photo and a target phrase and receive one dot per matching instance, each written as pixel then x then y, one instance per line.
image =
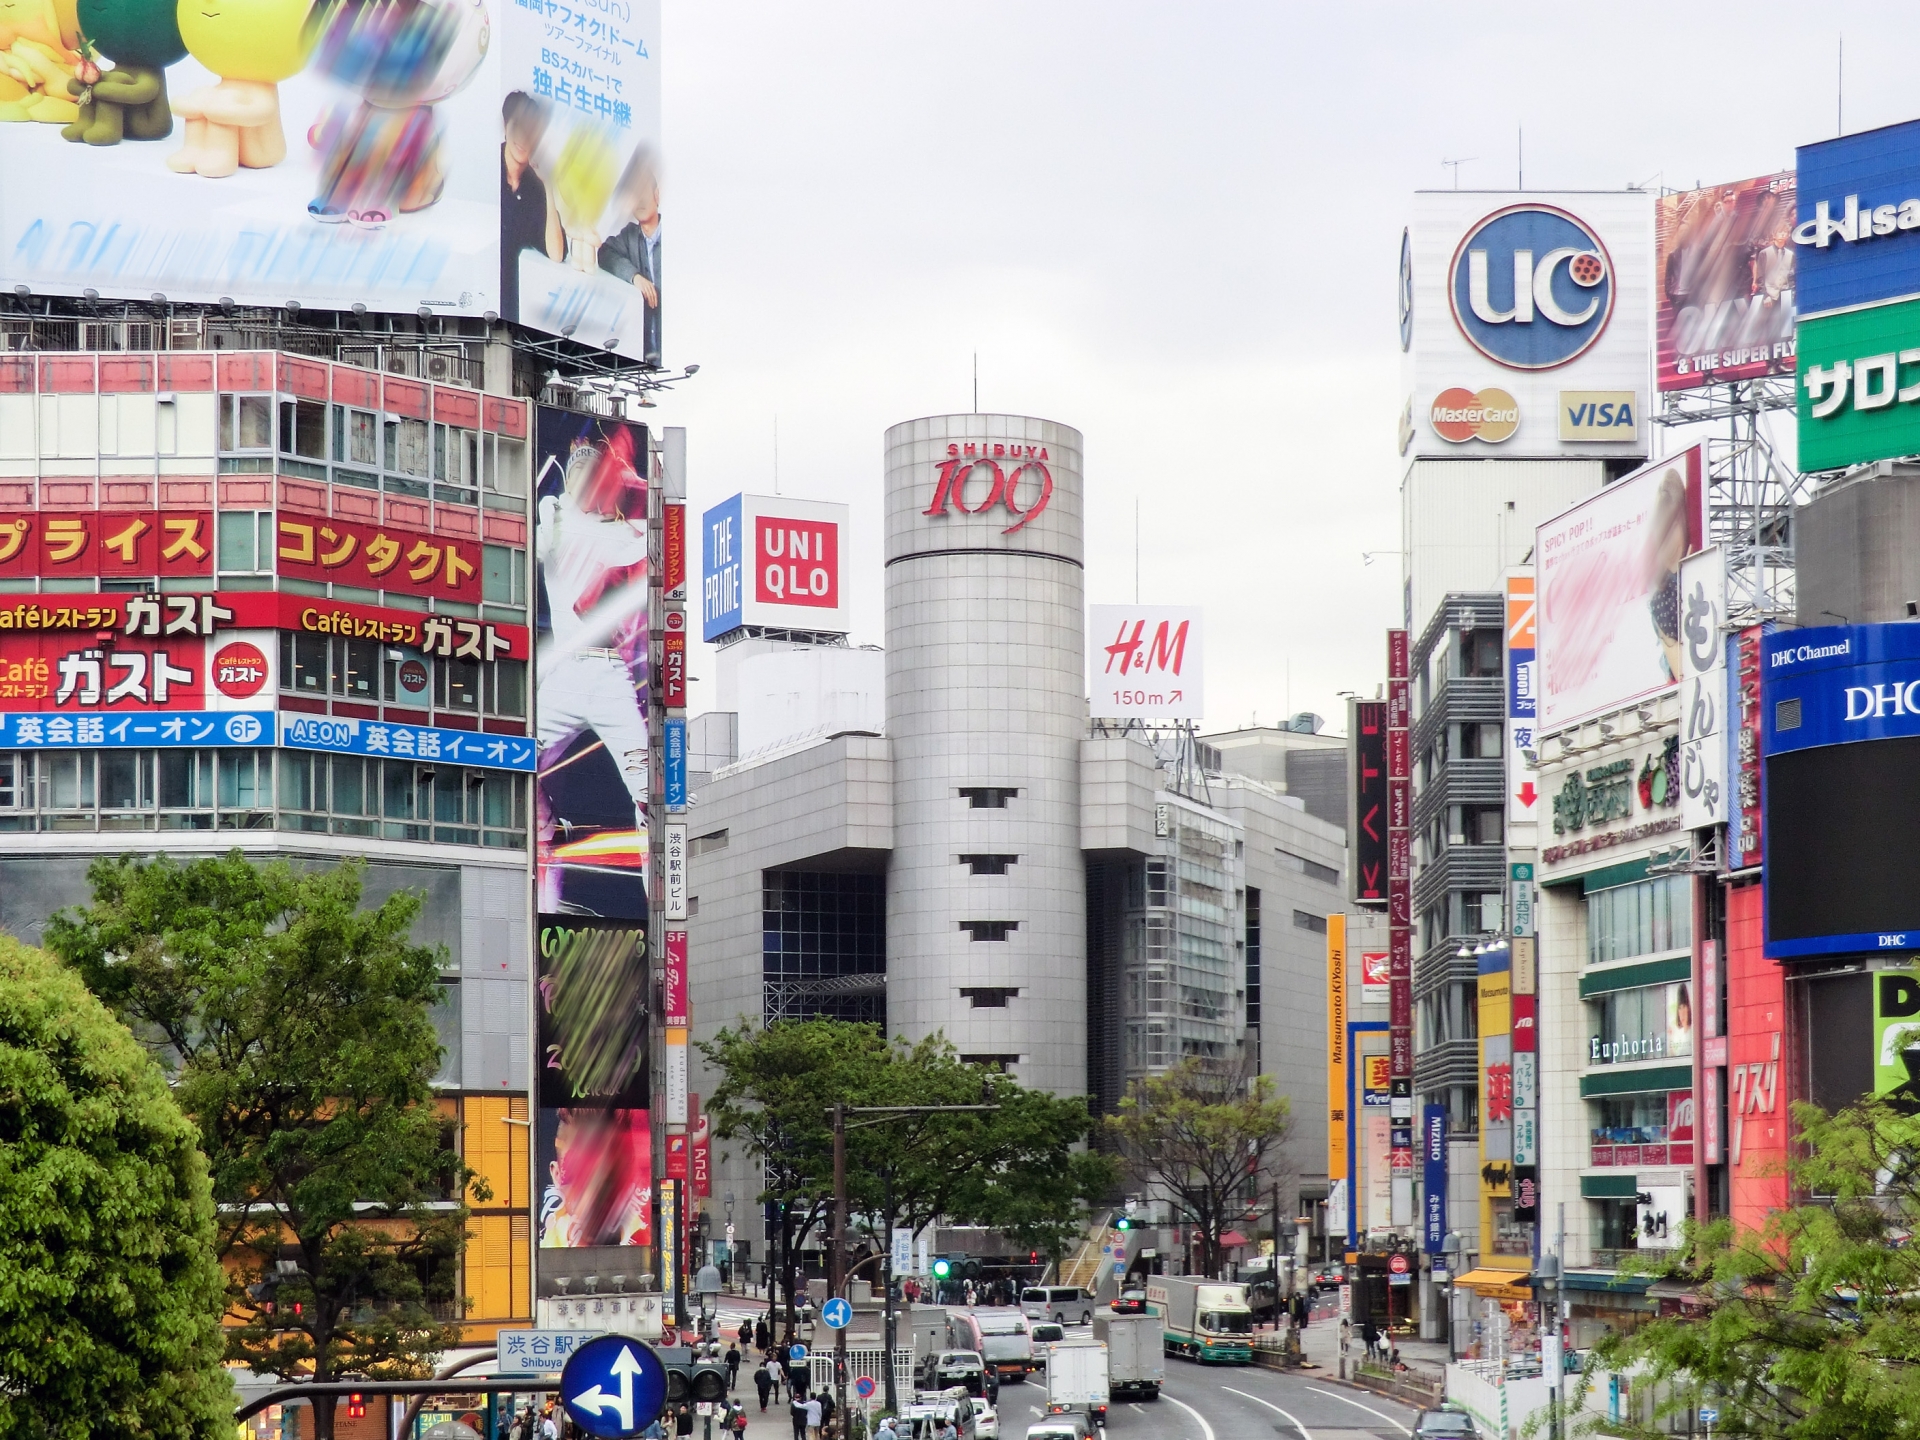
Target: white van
pixel 1062 1304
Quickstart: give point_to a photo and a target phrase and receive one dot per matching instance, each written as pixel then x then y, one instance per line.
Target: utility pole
pixel 837 1270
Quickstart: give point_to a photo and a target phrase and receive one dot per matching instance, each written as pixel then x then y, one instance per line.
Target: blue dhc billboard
pixel 1858 241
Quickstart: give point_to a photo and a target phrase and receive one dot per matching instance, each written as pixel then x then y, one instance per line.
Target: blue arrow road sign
pixel 796 1351
pixel 614 1386
pixel 837 1313
pixel 1709 1415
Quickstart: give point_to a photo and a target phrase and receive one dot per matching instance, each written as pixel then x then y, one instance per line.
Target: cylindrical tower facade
pixel 986 709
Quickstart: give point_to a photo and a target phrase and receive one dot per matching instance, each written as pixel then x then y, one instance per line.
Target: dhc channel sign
pixel 1532 287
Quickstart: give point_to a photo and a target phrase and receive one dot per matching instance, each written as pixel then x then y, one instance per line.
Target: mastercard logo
pixel 1460 415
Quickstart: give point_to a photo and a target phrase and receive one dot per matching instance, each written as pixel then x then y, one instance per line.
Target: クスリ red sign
pixel 1003 469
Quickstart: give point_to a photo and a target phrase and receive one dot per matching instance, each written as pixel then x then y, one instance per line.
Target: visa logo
pixel 1604 415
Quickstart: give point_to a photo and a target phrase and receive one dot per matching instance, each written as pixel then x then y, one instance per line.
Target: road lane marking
pixel 1205 1428
pixel 1334 1395
pixel 1305 1434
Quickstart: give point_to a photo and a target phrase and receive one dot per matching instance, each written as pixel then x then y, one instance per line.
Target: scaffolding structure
pixel 1751 491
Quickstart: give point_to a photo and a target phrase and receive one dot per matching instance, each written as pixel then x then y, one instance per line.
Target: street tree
pixel 1207 1136
pixel 1808 1329
pixel 110 1296
pixel 298 1031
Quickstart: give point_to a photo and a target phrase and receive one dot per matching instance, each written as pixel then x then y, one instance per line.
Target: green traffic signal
pixel 1123 1223
pixel 941 1269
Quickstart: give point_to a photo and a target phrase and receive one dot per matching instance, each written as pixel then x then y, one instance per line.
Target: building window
pixel 1480 914
pixel 1312 869
pixel 246 422
pixel 989 864
pixel 1649 1022
pixel 989 929
pixel 708 843
pixel 1002 1063
pixel 1252 944
pixel 1646 917
pixel 824 946
pixel 988 997
pixel 1481 652
pixel 1482 742
pixel 987 797
pixel 1304 921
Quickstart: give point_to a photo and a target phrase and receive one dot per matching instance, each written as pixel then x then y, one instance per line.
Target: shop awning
pixel 1233 1239
pixel 1496 1284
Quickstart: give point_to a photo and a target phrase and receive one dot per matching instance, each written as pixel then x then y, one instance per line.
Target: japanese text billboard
pixel 1724 262
pixel 1147 663
pixel 461 157
pixel 590 543
pixel 1607 575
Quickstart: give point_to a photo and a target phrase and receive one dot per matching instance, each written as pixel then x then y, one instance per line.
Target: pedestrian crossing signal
pixel 356 1407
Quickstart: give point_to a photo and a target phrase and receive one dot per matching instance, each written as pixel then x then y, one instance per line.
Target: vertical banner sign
pixel 675 765
pixel 673 662
pixel 1400 922
pixel 674 1301
pixel 1703 689
pixel 673 878
pixel 677 1078
pixel 674 990
pixel 1524 1024
pixel 702 1176
pixel 1496 1099
pixel 593 1149
pixel 677 1155
pixel 901 1260
pixel 1743 815
pixel 1338 1203
pixel 1523 799
pixel 1367 761
pixel 673 557
pixel 1708 995
pixel 1433 1154
pixel 590 542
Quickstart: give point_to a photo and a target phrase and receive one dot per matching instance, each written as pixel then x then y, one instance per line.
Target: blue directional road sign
pixel 614 1386
pixel 796 1352
pixel 1709 1415
pixel 837 1313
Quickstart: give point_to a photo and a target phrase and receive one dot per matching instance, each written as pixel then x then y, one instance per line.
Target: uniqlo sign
pixel 768 560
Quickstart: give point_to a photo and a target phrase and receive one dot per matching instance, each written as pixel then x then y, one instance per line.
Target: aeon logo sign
pixel 1531 287
pixel 993 473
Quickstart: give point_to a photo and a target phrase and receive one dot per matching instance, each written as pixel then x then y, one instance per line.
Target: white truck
pixel 1205 1319
pixel 1077 1379
pixel 1136 1354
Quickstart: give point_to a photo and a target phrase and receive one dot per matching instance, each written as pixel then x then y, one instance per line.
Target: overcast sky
pixel 1175 227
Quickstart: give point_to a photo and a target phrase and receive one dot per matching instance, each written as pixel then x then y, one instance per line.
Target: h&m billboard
pixel 772 561
pixel 1147 663
pixel 455 157
pixel 1524 318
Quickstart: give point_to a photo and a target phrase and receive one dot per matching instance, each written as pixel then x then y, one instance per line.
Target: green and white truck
pixel 1206 1320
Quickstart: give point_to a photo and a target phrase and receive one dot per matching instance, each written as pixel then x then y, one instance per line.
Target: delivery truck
pixel 1077 1379
pixel 1205 1320
pixel 1136 1354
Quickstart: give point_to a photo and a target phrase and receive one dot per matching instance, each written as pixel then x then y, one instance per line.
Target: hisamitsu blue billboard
pixel 1858 240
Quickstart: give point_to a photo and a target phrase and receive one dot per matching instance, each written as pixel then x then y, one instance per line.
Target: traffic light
pixel 689 1379
pixel 942 1269
pixel 356 1406
pixel 1123 1223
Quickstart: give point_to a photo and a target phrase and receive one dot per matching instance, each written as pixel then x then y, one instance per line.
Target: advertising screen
pixel 1896 1037
pixel 772 561
pixel 1525 322
pixel 590 544
pixel 594 1084
pixel 1367 764
pixel 462 157
pixel 1147 662
pixel 1723 265
pixel 1608 580
pixel 1859 209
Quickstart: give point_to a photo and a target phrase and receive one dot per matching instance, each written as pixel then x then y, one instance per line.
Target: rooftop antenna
pixel 1840 90
pixel 976 382
pixel 776 454
pixel 1136 549
pixel 1456 164
pixel 1520 158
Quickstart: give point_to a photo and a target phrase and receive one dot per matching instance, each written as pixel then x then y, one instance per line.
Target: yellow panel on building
pixel 498 1268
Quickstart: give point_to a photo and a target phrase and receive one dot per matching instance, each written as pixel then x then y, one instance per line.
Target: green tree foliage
pixel 1015 1168
pixel 1810 1328
pixel 297 1027
pixel 110 1297
pixel 1208 1137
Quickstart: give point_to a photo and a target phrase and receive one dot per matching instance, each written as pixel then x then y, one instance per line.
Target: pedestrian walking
pixel 746 1334
pixel 762 1382
pixel 826 1407
pixel 733 1368
pixel 762 1336
pixel 683 1420
pixel 797 1408
pixel 816 1416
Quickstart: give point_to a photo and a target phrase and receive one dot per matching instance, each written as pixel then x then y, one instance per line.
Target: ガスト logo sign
pixel 1531 287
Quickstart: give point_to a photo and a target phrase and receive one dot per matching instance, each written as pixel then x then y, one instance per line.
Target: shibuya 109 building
pixel 937 836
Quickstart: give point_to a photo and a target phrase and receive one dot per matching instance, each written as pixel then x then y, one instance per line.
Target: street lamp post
pixel 1450 1247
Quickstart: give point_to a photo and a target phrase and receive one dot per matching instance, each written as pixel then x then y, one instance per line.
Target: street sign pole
pixel 838 1271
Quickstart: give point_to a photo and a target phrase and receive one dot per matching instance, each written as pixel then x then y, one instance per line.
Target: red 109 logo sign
pixel 1003 469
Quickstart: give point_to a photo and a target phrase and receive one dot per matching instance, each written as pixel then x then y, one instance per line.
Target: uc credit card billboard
pixel 466 157
pixel 769 560
pixel 1525 324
